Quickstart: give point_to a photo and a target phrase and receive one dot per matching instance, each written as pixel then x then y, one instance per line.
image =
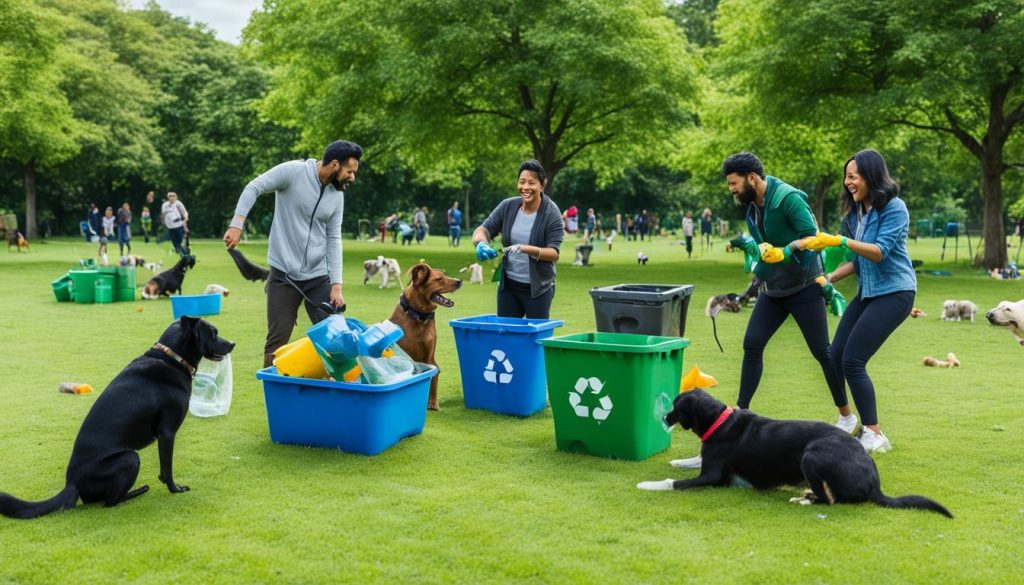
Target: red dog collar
pixel 718 422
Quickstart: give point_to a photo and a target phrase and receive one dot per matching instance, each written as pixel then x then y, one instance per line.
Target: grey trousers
pixel 283 302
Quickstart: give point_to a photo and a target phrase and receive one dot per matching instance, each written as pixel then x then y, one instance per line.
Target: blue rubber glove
pixel 485 252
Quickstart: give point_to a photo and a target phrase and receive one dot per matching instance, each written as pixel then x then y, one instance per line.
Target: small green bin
pixel 62 288
pixel 104 293
pixel 83 285
pixel 609 391
pixel 124 295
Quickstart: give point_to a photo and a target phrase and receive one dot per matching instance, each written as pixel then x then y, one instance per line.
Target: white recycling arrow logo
pixel 491 374
pixel 583 411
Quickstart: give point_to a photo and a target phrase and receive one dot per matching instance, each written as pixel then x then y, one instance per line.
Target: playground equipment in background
pixel 953 230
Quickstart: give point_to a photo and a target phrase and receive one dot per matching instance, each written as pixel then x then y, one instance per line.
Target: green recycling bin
pixel 609 391
pixel 62 288
pixel 104 292
pixel 83 285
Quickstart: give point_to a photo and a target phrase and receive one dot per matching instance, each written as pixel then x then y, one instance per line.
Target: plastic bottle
pixel 211 388
pixel 74 388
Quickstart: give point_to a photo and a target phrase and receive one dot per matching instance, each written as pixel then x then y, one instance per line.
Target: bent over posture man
pixel 305 236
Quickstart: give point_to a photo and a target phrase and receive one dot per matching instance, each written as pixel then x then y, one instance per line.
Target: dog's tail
pixel 916 502
pixel 250 270
pixel 12 507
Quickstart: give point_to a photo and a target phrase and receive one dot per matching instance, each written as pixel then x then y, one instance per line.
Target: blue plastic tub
pixel 501 362
pixel 195 305
pixel 356 418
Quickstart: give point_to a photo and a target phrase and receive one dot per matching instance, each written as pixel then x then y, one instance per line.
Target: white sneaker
pixel 691 463
pixel 874 442
pixel 847 423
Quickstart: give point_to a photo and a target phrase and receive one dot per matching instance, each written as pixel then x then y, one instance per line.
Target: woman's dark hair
pixel 881 187
pixel 341 151
pixel 534 167
pixel 743 163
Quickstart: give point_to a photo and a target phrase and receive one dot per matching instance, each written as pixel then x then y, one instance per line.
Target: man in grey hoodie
pixel 305 236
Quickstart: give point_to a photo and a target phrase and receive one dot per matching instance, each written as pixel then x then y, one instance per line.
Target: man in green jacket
pixel 777 216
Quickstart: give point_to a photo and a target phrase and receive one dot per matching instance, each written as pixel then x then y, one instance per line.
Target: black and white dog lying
pixel 146 402
pixel 740 445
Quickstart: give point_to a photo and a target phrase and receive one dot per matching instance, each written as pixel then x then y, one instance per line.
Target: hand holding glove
pixel 822 240
pixel 485 252
pixel 773 255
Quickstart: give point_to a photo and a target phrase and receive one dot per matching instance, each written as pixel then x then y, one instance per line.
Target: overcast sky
pixel 226 17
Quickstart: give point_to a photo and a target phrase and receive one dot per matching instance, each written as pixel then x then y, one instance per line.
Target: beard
pixel 745 197
pixel 338 183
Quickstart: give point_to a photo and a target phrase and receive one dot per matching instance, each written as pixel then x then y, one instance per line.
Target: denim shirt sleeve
pixel 893 223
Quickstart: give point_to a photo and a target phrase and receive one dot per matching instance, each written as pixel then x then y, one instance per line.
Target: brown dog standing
pixel 415 315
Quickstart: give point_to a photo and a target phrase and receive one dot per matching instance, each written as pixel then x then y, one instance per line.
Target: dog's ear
pixel 419 274
pixel 188 322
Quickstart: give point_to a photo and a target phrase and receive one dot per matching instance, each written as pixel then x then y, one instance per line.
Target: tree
pixel 951 67
pixel 37 124
pixel 448 86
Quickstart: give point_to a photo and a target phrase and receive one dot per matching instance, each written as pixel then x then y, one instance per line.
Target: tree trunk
pixel 29 172
pixel 992 189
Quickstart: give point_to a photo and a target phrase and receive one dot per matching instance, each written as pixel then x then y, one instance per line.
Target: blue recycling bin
pixel 501 362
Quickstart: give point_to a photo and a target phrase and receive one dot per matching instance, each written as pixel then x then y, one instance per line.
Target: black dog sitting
pixel 168 281
pixel 766 453
pixel 147 401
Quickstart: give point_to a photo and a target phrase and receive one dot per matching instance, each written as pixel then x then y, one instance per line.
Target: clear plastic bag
pixel 211 388
pixel 387 370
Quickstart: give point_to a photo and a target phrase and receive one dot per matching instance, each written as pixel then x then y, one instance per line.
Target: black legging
pixel 514 300
pixel 865 326
pixel 808 309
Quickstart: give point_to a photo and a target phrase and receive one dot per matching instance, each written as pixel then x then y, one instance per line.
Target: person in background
pixel 688 232
pixel 532 230
pixel 590 226
pixel 640 225
pixel 95 223
pixel 705 229
pixel 419 222
pixel 454 225
pixel 174 217
pixel 146 219
pixel 106 233
pixel 124 228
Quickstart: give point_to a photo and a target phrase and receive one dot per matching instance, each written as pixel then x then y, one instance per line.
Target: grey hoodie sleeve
pixel 334 252
pixel 275 179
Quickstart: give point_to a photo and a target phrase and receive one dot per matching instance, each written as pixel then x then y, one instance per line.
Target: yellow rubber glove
pixel 773 255
pixel 822 240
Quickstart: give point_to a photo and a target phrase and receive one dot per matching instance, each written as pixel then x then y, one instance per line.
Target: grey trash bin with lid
pixel 647 309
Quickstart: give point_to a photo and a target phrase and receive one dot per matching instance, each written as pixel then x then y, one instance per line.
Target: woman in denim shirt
pixel 879 221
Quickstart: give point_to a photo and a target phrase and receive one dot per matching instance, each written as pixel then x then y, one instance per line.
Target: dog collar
pixel 417 315
pixel 718 422
pixel 170 353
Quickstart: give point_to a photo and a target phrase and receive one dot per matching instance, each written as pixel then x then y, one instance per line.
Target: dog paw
pixel 433 405
pixel 664 485
pixel 801 500
pixel 177 489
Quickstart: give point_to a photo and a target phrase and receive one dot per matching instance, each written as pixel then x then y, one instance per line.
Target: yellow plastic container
pixel 300 360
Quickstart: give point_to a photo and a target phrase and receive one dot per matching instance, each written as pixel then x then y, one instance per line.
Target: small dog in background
pixel 641 258
pixel 958 310
pixel 216 289
pixel 131 260
pixel 387 268
pixel 154 266
pixel 476 273
pixel 17 241
pixel 1011 315
pixel 169 281
pixel 611 239
pixel 949 362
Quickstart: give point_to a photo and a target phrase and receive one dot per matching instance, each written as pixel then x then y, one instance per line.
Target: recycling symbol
pixel 583 411
pixel 491 373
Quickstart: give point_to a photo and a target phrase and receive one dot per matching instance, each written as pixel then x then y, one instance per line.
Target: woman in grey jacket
pixel 532 231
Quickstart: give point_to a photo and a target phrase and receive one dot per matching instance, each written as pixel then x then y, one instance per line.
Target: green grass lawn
pixel 480 497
